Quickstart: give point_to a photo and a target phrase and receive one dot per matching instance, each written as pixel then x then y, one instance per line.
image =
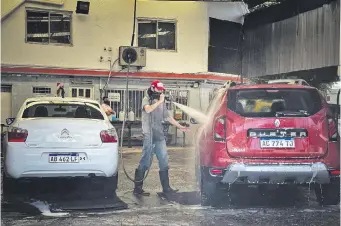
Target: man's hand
pixel 172 121
pixel 162 98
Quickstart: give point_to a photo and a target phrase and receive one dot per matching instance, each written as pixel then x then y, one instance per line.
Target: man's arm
pixel 112 111
pixel 108 110
pixel 149 108
pixel 172 121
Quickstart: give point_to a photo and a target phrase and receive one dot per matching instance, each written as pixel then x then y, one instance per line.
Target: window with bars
pixel 81 92
pixel 116 98
pixel 117 101
pixel 157 34
pixel 41 90
pixel 6 88
pixel 181 97
pixel 48 27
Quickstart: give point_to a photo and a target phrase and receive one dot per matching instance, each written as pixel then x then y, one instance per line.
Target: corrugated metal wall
pixel 307 41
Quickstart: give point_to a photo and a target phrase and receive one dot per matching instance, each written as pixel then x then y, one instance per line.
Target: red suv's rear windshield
pixel 274 102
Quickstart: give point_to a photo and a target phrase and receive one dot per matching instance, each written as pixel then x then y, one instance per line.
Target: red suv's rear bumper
pixel 271 174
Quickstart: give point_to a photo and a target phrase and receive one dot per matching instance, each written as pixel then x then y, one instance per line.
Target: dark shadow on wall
pixel 258 49
pixel 224 47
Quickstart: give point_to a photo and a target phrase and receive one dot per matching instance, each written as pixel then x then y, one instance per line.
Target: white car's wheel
pixel 110 184
pixel 9 185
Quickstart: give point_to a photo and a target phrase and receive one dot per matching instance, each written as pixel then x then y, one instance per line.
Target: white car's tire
pixel 110 184
pixel 9 185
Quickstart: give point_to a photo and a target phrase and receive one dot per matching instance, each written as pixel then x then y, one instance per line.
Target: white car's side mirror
pixel 9 121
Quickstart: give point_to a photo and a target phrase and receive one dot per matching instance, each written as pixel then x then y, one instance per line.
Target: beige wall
pixel 109 24
pixel 8 5
pixel 6 106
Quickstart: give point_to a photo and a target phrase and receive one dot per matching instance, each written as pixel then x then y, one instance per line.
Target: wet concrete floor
pixel 60 202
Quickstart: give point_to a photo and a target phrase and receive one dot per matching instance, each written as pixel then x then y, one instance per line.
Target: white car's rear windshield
pixel 62 111
pixel 274 102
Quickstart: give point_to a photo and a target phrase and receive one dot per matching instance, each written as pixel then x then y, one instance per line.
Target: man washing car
pixel 154 113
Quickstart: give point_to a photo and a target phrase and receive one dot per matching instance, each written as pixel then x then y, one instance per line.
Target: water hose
pixel 122 130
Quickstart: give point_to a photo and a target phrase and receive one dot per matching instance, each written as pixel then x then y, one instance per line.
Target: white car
pixel 61 137
pixel 289 81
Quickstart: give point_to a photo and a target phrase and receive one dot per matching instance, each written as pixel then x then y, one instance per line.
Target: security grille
pixel 212 94
pixel 117 101
pixel 134 101
pixel 6 88
pixel 181 97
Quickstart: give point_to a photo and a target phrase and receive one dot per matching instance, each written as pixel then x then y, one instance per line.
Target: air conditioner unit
pixel 136 55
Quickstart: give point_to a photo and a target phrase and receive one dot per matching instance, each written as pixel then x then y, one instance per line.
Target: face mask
pixel 155 95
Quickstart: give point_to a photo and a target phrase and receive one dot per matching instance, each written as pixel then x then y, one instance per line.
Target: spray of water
pixel 205 121
pixel 200 117
pixel 197 115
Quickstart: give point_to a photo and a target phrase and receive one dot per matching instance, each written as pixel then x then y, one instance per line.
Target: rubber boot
pixel 139 175
pixel 164 178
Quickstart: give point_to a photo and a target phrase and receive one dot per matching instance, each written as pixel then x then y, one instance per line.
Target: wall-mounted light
pixel 83 7
pixel 195 84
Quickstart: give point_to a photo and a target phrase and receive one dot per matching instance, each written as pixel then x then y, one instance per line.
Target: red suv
pixel 292 139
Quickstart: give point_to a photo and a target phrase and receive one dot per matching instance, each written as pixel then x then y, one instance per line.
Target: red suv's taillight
pixel 332 129
pixel 109 136
pixel 219 129
pixel 17 134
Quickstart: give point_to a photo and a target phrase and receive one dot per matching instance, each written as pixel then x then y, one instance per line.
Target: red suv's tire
pixel 209 190
pixel 208 193
pixel 328 194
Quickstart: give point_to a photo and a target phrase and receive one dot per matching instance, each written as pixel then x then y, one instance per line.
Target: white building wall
pixel 109 24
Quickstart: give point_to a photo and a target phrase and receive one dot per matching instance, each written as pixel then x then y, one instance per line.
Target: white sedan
pixel 61 137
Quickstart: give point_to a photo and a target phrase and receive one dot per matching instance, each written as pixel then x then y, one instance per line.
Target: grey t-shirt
pixel 157 116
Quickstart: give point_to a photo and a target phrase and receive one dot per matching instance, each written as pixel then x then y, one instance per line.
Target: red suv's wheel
pixel 210 192
pixel 207 193
pixel 328 194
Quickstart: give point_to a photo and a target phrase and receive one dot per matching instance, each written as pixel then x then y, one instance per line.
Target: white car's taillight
pixel 109 136
pixel 17 135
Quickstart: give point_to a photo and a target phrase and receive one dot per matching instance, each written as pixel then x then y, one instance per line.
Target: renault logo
pixel 277 123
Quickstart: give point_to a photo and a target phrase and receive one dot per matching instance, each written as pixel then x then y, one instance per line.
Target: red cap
pixel 158 85
pixel 60 85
